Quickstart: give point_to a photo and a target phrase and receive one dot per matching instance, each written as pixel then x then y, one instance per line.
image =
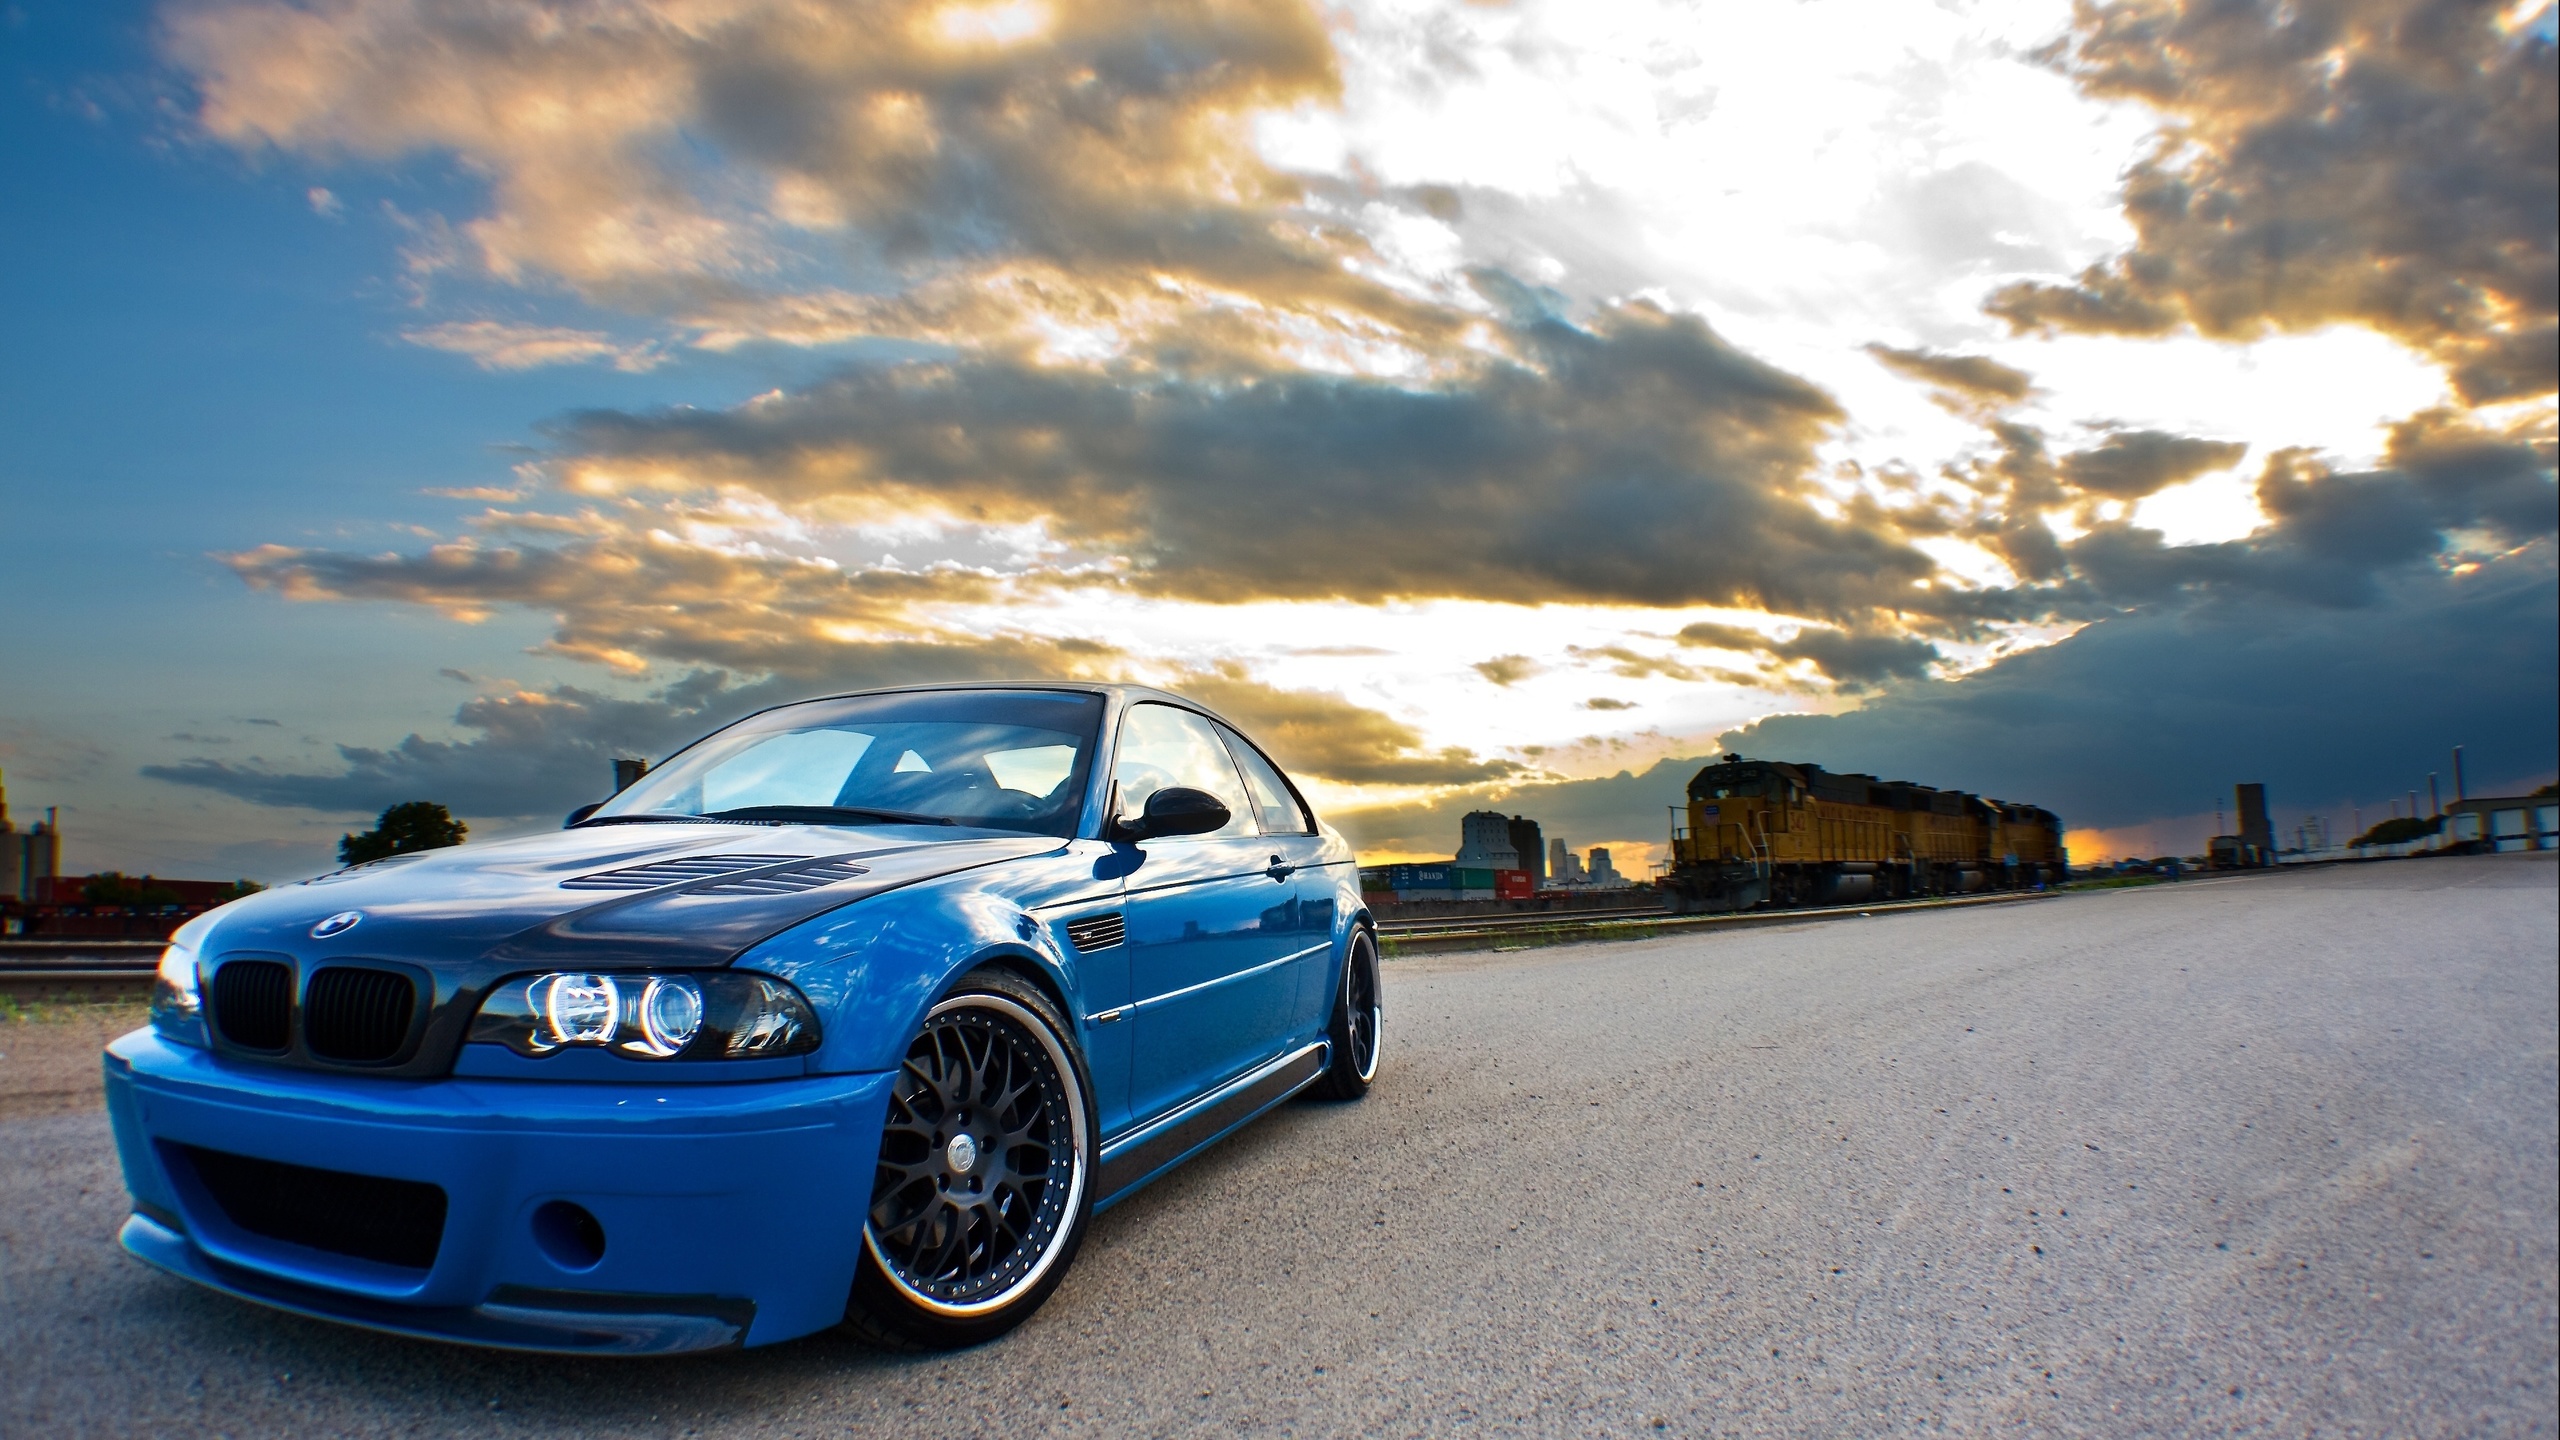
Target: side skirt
pixel 1129 1162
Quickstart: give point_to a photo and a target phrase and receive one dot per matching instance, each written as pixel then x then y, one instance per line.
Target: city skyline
pixel 1492 407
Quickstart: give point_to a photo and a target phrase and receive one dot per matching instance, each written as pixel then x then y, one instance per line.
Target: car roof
pixel 1107 689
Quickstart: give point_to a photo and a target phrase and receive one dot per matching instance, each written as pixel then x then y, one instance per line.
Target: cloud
pixel 1147 363
pixel 1328 737
pixel 2159 712
pixel 498 345
pixel 630 590
pixel 1603 702
pixel 535 753
pixel 2153 713
pixel 1972 379
pixel 2381 161
pixel 763 168
pixel 2451 494
pixel 2134 463
pixel 1857 659
pixel 1635 458
pixel 1623 806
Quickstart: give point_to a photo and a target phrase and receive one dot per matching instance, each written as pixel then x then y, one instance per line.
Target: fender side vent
pixel 659 873
pixel 788 882
pixel 1100 932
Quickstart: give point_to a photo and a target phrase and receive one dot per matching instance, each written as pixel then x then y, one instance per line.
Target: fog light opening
pixel 569 1236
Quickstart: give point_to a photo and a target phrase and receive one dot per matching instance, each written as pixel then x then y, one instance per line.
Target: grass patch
pixel 58 1011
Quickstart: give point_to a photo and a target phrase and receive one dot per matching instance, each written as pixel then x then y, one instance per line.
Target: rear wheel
pixel 1357 1015
pixel 981 1193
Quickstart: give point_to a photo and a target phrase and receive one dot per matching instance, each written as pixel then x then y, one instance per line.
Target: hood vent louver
pixel 790 881
pixel 1100 932
pixel 658 874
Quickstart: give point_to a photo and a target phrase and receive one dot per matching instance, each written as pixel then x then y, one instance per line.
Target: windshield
pixel 1002 759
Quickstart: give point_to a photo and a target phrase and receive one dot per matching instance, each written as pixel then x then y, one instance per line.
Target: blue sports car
pixel 853 1012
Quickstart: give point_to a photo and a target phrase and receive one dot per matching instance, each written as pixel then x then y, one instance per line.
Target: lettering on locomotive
pixel 1764 832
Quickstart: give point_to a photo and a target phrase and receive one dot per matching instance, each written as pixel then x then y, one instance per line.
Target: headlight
pixel 708 1015
pixel 177 1007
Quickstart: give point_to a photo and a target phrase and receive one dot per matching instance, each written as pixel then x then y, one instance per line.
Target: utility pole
pixel 2459 794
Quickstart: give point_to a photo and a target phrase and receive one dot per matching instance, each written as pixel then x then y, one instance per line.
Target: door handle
pixel 1280 869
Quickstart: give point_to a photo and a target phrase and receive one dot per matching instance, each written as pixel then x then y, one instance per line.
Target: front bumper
pixel 731 1213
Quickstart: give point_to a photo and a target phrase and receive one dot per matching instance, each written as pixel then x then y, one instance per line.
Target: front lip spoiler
pixel 551 1322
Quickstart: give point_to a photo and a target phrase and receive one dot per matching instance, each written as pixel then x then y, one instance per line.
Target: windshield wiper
pixel 828 815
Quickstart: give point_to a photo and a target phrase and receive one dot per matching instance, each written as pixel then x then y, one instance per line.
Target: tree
pixel 111 887
pixel 2399 830
pixel 403 830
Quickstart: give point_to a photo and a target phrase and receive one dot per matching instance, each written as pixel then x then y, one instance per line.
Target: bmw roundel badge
pixel 338 924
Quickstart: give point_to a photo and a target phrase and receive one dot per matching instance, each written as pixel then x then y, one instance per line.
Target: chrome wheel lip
pixel 1366 1069
pixel 1079 1128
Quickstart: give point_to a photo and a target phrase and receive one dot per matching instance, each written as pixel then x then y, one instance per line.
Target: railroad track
pixel 1529 920
pixel 99 969
pixel 122 968
pixel 1489 932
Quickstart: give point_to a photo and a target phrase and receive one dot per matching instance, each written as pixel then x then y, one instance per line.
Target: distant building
pixel 1563 866
pixel 29 859
pixel 2499 823
pixel 1604 875
pixel 1531 848
pixel 2254 848
pixel 2254 826
pixel 1484 841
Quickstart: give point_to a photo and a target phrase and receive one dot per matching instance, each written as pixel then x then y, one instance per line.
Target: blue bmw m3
pixel 853 1012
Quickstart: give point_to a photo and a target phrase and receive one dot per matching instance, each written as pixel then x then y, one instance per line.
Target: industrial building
pixel 1531 847
pixel 2501 823
pixel 1484 842
pixel 2254 848
pixel 29 859
pixel 1500 857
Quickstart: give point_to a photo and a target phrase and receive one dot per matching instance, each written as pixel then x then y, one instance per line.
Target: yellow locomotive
pixel 1762 832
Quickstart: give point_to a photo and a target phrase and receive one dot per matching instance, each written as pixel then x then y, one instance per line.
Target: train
pixel 1770 833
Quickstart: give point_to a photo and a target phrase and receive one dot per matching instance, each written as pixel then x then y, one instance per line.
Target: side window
pixel 1272 803
pixel 1162 747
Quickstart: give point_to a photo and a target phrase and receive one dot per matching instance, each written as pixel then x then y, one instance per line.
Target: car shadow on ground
pixel 233 1343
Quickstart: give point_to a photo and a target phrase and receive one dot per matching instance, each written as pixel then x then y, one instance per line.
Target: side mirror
pixel 1176 810
pixel 581 813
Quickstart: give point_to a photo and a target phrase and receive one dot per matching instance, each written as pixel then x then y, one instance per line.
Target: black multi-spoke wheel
pixel 980 1196
pixel 1357 1015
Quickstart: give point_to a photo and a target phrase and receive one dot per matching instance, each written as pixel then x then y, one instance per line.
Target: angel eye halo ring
pixel 690 1015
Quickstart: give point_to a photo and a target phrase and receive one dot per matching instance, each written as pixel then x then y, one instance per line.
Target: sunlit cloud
pixel 497 345
pixel 1476 398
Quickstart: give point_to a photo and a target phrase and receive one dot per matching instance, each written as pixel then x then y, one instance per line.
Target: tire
pixel 1354 1033
pixel 963 1242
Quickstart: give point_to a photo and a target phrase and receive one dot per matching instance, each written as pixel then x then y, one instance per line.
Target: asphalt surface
pixel 2266 1156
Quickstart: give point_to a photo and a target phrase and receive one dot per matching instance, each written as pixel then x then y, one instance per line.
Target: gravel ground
pixel 49 1054
pixel 2266 1156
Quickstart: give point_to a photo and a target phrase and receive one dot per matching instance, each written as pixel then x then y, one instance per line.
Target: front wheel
pixel 981 1193
pixel 1357 1015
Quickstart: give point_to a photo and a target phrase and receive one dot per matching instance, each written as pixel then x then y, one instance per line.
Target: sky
pixel 1484 404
